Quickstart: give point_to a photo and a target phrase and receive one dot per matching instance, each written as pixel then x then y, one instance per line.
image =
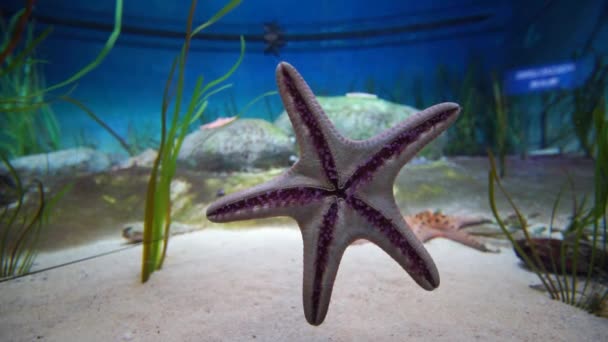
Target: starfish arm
pixel 277 197
pixel 325 237
pixel 466 239
pixel 428 225
pixel 425 235
pixel 401 143
pixel 315 133
pixel 468 221
pixel 390 232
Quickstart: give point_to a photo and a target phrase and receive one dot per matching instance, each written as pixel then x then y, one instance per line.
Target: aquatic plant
pixel 566 255
pixel 140 137
pixel 464 136
pixel 370 85
pixel 403 88
pixel 417 93
pixel 27 121
pixel 157 219
pixel 501 124
pixel 131 150
pixel 600 149
pixel 82 139
pixel 487 117
pixel 585 99
pixel 21 224
pixel 549 101
pixel 578 104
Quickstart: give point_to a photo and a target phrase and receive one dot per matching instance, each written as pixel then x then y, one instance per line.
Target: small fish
pixel 274 38
pixel 219 122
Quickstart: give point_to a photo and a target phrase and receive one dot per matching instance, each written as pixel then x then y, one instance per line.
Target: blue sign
pixel 547 77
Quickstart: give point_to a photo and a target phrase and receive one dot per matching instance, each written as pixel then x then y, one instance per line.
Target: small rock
pixel 144 159
pixel 133 232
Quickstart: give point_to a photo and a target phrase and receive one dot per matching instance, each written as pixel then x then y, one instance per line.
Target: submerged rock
pixel 244 144
pixel 549 252
pixel 67 162
pixel 360 118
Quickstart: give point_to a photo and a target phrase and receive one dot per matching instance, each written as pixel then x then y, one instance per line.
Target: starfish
pixel 428 225
pixel 340 190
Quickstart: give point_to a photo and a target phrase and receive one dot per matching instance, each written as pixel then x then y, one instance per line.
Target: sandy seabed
pixel 246 285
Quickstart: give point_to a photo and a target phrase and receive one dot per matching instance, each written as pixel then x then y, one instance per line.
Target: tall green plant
pixel 486 118
pixel 157 220
pixel 600 147
pixel 501 124
pixel 472 106
pixel 564 285
pixel 28 123
pixel 26 118
pixel 585 99
pixel 20 224
pixel 464 136
pixel 9 44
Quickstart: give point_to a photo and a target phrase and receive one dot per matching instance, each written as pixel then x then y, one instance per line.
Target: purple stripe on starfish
pixel 418 267
pixel 314 128
pixel 365 172
pixel 324 241
pixel 270 199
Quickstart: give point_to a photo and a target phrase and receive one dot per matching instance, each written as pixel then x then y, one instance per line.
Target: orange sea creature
pixel 428 225
pixel 219 122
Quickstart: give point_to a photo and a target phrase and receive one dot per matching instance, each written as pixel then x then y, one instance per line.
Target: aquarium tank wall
pixel 215 140
pixel 444 41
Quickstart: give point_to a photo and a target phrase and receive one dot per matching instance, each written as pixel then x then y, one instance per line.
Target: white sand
pixel 246 286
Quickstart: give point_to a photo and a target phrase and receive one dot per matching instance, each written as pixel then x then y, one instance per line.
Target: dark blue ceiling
pixel 308 26
pixel 325 25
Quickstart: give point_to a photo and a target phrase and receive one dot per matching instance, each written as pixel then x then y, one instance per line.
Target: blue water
pixel 126 88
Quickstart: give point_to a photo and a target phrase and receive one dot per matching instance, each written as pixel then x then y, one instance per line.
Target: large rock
pixel 244 144
pixel 361 118
pixel 67 162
